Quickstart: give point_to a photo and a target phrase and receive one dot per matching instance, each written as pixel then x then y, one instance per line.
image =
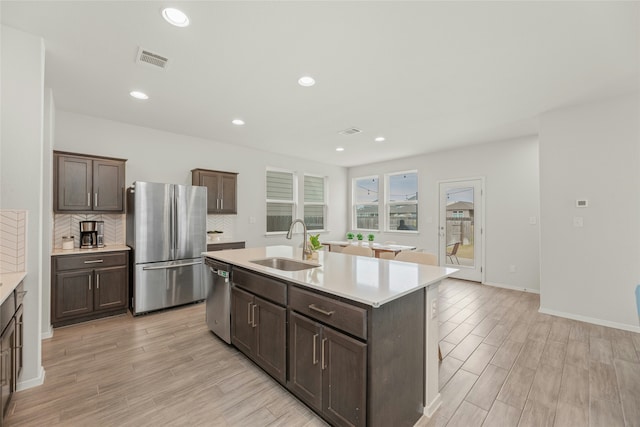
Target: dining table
pixel 377 248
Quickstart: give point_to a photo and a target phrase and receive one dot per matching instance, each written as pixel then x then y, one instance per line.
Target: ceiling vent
pixel 350 131
pixel 146 57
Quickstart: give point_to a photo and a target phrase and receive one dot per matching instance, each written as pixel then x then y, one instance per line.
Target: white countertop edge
pixel 231 257
pixel 10 281
pixel 78 251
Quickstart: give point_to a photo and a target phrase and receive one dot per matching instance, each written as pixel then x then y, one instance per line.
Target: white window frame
pixel 354 203
pixel 388 203
pixel 324 203
pixel 293 202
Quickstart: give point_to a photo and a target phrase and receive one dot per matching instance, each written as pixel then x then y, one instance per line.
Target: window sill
pixel 403 231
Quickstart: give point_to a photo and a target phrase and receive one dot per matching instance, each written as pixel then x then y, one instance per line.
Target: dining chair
pixel 417 257
pixel 452 253
pixel 358 250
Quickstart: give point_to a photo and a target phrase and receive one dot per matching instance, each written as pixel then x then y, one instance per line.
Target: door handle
pixel 221 203
pixel 97 281
pixel 95 261
pixel 88 199
pixel 314 358
pixel 324 340
pixel 89 282
pixel 249 313
pixel 95 199
pixel 320 310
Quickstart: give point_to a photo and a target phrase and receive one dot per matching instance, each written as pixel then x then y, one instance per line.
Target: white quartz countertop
pixel 10 281
pixel 78 251
pixel 371 281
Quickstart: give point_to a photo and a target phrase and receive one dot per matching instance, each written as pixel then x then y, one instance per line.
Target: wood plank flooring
pixel 504 364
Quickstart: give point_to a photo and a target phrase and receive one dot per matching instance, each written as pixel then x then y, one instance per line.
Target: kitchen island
pixel 355 338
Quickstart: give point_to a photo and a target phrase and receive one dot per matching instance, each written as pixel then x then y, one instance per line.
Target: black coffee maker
pixel 88 234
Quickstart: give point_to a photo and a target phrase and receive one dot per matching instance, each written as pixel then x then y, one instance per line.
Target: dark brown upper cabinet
pixel 221 190
pixel 88 184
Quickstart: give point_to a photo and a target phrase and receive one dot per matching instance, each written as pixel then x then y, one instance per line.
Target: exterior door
pixel 461 227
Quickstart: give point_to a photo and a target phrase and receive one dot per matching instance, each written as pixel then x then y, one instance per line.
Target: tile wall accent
pixel 13 225
pixel 69 225
pixel 221 223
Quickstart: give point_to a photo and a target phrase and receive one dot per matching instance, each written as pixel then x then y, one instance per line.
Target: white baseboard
pixel 45 335
pixel 433 406
pixel 33 382
pixel 593 320
pixel 515 288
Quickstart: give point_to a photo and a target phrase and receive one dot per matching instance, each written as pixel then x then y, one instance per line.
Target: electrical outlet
pixel 578 221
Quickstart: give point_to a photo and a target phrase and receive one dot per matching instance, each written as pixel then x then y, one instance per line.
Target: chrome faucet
pixel 306 250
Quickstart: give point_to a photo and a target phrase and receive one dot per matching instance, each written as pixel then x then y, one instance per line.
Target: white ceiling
pixel 428 76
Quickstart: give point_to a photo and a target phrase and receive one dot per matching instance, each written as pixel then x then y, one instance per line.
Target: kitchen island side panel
pixel 396 361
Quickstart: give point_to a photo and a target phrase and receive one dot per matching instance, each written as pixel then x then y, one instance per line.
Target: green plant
pixel 315 242
pixel 371 237
pixel 350 236
pixel 359 236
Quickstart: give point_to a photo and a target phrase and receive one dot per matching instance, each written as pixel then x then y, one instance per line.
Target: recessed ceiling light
pixel 138 95
pixel 175 17
pixel 237 122
pixel 339 149
pixel 306 81
pixel 379 139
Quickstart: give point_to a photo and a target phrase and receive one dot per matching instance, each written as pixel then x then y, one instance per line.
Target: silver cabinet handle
pixel 97 281
pixel 88 199
pixel 95 199
pixel 324 340
pixel 89 282
pixel 253 316
pixel 313 307
pixel 95 261
pixel 314 358
pixel 249 313
pixel 221 204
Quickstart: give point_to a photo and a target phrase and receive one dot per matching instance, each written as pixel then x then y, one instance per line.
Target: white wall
pixel 159 156
pixel 510 169
pixel 47 200
pixel 591 151
pixel 21 179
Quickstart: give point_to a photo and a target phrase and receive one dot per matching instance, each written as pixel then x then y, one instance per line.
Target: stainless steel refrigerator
pixel 166 230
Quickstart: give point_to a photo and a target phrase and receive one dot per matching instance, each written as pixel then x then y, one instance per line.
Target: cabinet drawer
pixel 338 314
pixel 73 262
pixel 223 246
pixel 260 285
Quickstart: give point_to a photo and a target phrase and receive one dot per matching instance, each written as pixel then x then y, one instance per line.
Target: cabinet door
pixel 228 193
pixel 7 380
pixel 242 335
pixel 108 185
pixel 212 182
pixel 344 379
pixel 305 371
pixel 271 341
pixel 73 293
pixel 74 184
pixel 110 290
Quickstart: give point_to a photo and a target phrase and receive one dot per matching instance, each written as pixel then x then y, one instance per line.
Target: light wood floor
pixel 505 364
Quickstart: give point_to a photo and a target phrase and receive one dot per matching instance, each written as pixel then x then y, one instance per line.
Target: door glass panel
pixel 460 227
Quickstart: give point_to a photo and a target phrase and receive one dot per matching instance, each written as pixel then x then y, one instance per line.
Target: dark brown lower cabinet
pixel 85 287
pixel 258 329
pixel 328 370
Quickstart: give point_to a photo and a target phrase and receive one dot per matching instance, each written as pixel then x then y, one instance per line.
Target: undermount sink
pixel 285 264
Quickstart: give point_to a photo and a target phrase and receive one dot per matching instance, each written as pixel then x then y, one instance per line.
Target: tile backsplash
pixel 69 225
pixel 13 225
pixel 222 223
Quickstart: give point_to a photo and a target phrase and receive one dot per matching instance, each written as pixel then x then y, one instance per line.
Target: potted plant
pixel 315 245
pixel 350 237
pixel 371 238
pixel 359 236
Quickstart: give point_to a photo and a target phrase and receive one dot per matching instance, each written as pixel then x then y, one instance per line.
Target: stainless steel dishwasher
pixel 218 287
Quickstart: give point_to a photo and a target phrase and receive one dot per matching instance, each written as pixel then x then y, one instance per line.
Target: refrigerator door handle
pixel 164 267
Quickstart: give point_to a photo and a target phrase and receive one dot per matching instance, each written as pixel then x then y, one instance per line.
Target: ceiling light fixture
pixel 339 149
pixel 379 139
pixel 306 81
pixel 139 95
pixel 237 122
pixel 175 17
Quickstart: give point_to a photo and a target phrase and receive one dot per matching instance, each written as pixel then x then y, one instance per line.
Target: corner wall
pixel 591 152
pixel 21 176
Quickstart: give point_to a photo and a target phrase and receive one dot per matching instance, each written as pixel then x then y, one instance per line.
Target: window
pixel 281 196
pixel 365 203
pixel 315 207
pixel 402 201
